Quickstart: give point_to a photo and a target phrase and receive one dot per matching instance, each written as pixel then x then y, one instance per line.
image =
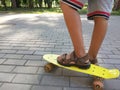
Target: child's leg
pixel 73 22
pixel 100 28
pixel 99 11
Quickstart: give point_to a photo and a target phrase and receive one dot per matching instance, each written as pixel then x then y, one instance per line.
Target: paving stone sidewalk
pixel 25 38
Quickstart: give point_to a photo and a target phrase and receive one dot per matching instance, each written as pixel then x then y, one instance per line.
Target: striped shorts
pixel 96 8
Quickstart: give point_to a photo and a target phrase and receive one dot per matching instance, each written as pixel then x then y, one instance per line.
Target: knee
pixel 100 19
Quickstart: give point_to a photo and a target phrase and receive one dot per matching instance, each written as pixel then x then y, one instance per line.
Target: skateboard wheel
pixel 49 67
pixel 98 86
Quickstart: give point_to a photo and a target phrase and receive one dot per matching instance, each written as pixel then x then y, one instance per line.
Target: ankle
pixel 79 55
pixel 93 60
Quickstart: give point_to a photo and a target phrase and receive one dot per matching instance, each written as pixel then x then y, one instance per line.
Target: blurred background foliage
pixel 36 6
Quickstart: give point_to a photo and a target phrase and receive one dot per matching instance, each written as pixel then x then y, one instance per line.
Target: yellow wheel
pixel 49 67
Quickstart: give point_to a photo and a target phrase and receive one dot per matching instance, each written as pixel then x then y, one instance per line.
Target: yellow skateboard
pixel 93 70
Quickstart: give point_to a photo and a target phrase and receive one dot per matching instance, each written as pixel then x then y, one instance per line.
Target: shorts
pixel 96 8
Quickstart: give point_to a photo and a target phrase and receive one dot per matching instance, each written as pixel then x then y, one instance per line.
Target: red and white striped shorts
pixel 96 8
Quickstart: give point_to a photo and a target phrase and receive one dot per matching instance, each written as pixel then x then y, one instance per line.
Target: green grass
pixel 37 10
pixel 116 12
pixel 43 10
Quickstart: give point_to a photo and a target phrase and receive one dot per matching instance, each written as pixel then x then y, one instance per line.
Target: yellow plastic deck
pixel 93 70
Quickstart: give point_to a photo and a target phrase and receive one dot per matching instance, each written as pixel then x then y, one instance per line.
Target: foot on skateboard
pixel 93 70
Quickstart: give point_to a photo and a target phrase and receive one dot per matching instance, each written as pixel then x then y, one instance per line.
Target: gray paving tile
pixel 35 63
pixel 117 66
pixel 6 77
pixel 100 61
pixel 32 45
pixel 69 88
pixel 106 52
pixel 56 71
pixel 6 68
pixel 38 52
pixel 8 51
pixel 13 56
pixel 112 61
pixel 112 84
pixel 102 56
pixel 33 57
pixel 6 47
pixel 73 73
pixel 46 88
pixel 9 86
pixel 55 81
pixel 116 52
pixel 1 84
pixel 23 69
pixel 17 44
pixel 114 56
pixel 36 48
pixel 15 62
pixel 25 52
pixel 27 79
pixel 2 55
pixel 80 82
pixel 2 60
pixel 20 48
pixel 46 45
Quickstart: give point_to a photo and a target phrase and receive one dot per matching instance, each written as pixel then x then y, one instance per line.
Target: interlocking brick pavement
pixel 25 38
